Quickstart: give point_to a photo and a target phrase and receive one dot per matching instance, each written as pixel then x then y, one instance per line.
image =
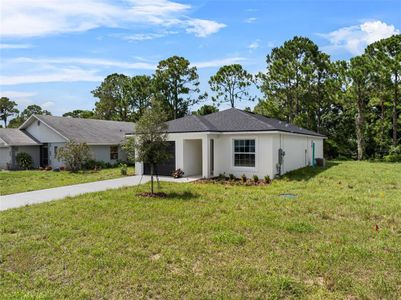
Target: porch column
pixel 205 156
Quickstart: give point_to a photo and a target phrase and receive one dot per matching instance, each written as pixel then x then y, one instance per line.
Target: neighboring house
pixel 51 133
pixel 14 141
pixel 237 142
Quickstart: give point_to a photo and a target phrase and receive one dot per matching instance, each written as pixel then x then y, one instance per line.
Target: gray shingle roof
pixel 95 132
pixel 233 120
pixel 16 137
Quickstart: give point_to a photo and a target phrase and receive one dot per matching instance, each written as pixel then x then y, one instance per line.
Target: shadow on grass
pixel 307 173
pixel 181 196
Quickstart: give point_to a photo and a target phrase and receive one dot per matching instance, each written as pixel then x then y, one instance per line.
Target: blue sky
pixel 54 52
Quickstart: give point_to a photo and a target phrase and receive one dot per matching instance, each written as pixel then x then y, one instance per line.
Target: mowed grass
pixel 12 182
pixel 208 241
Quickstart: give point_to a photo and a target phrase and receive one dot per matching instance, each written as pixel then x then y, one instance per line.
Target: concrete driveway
pixel 58 193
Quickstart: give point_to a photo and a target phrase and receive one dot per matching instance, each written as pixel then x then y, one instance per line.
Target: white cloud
pixel 203 28
pixel 143 36
pixel 47 105
pixel 82 61
pixel 71 74
pixel 218 62
pixel 355 38
pixel 16 94
pixel 78 69
pixel 250 20
pixel 21 18
pixel 254 45
pixel 15 46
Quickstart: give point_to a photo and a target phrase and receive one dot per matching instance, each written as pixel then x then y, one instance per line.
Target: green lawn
pixel 24 181
pixel 214 241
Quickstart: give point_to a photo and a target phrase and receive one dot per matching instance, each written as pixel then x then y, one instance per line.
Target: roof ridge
pixel 205 123
pixel 251 114
pixel 85 119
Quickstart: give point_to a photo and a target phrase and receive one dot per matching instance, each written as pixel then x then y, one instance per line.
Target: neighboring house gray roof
pixel 90 131
pixel 233 120
pixel 16 137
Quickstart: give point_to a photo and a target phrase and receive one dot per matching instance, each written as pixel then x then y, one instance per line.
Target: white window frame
pixel 118 154
pixel 244 168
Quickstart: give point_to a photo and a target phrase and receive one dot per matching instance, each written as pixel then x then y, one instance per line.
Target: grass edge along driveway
pixel 12 182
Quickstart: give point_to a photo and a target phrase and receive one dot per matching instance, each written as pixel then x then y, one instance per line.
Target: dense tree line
pixel 356 103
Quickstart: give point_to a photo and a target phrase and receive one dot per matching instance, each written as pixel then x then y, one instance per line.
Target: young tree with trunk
pixel 177 86
pixel 231 84
pixel 8 109
pixel 151 145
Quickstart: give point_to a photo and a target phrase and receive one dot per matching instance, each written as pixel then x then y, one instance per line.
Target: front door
pixel 44 155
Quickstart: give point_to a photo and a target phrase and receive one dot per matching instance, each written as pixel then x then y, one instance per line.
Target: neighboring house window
pixel 114 152
pixel 55 151
pixel 244 153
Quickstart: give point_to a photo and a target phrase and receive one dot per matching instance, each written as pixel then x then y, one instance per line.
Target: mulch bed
pixel 154 195
pixel 227 181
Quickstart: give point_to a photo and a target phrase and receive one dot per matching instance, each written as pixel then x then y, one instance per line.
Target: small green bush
pixel 255 178
pixel 231 176
pixel 221 177
pixel 394 154
pixel 267 179
pixel 123 169
pixel 24 160
pixel 243 178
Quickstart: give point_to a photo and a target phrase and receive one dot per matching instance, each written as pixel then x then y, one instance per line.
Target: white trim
pixel 244 169
pixel 48 126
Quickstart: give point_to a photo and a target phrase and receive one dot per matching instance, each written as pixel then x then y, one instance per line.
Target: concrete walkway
pixel 58 193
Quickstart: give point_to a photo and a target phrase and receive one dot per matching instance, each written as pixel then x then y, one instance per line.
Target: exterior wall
pixel 102 153
pixel 44 134
pixel 298 151
pixel 53 161
pixel 224 155
pixel 33 151
pixel 192 157
pixel 99 153
pixel 183 159
pixel 5 157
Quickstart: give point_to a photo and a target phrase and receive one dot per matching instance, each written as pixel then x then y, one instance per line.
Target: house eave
pixel 246 132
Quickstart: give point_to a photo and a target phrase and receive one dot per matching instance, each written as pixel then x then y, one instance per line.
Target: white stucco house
pixel 41 136
pixel 237 142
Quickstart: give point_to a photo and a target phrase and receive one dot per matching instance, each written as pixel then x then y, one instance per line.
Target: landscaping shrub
pixel 243 178
pixel 90 164
pixel 267 179
pixel 232 177
pixel 74 154
pixel 255 178
pixel 394 155
pixel 24 160
pixel 124 169
pixel 221 177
